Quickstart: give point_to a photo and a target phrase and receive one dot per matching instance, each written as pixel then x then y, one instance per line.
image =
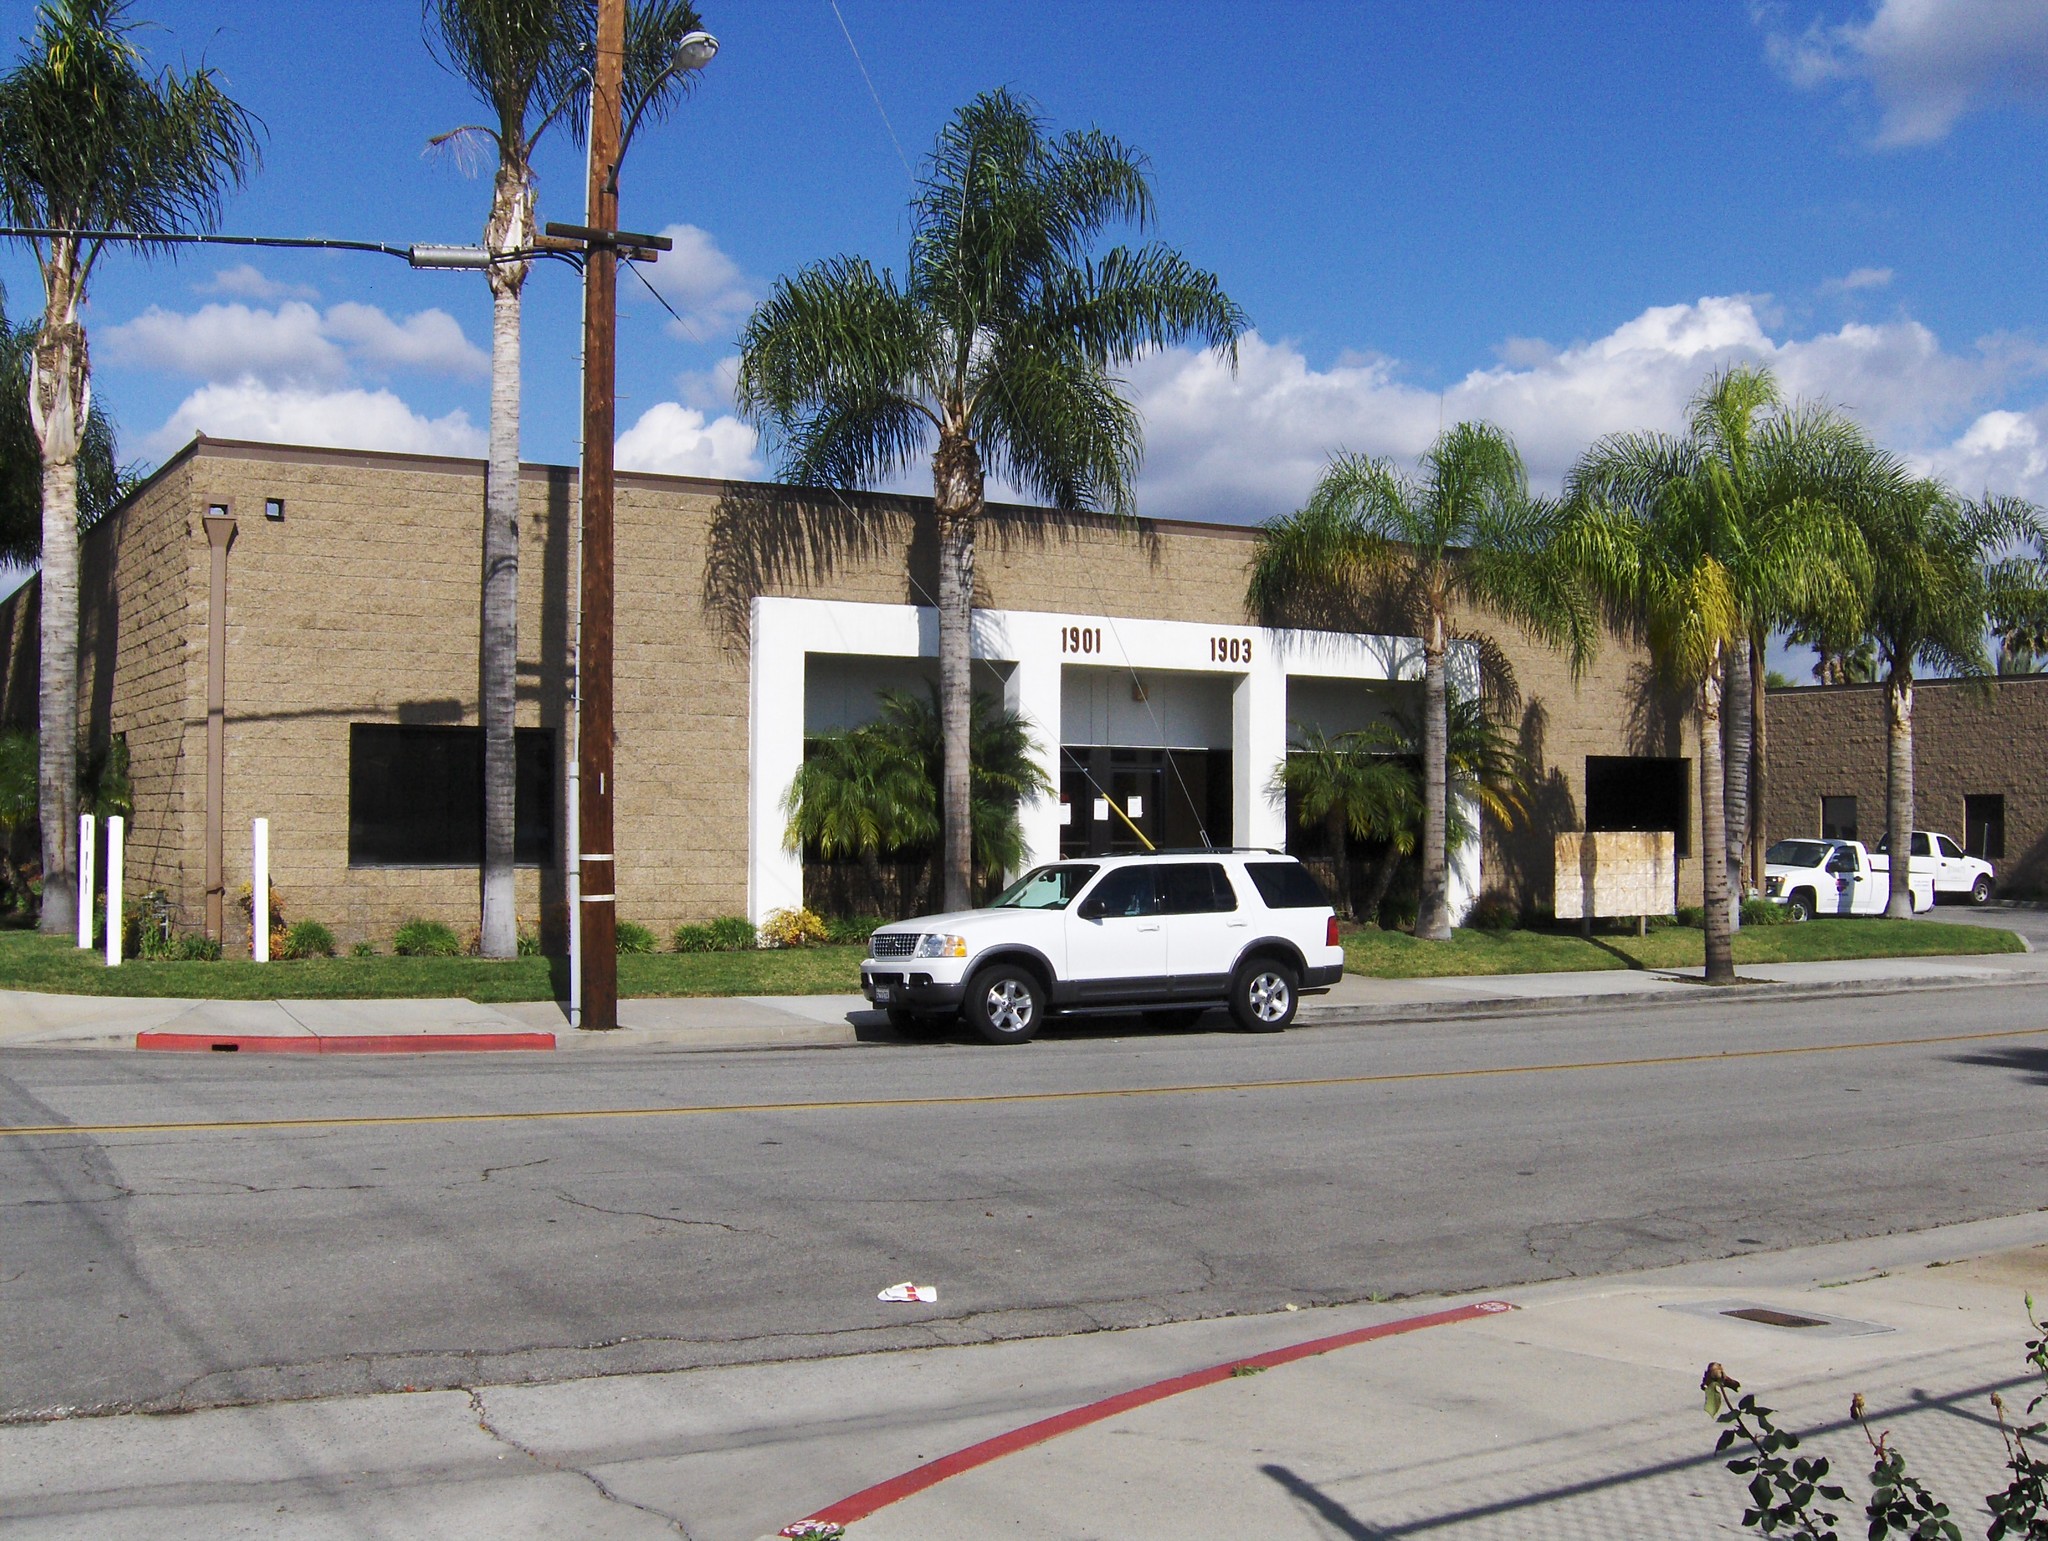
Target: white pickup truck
pixel 1942 860
pixel 1833 877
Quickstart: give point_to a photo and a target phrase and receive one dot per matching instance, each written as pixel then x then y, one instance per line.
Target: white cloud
pixel 428 340
pixel 244 282
pixel 219 342
pixel 1859 278
pixel 1248 446
pixel 676 440
pixel 295 343
pixel 1927 61
pixel 298 414
pixel 702 282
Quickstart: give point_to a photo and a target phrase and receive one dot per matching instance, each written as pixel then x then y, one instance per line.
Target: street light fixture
pixel 595 911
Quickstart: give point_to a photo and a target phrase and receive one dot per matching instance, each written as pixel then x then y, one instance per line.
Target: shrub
pixel 1692 915
pixel 851 929
pixel 529 944
pixel 307 939
pixel 194 948
pixel 733 933
pixel 1762 912
pixel 634 937
pixel 690 938
pixel 792 928
pixel 1494 911
pixel 363 950
pixel 426 939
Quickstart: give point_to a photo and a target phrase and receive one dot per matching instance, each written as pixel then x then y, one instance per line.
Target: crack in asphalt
pixel 483 1421
pixel 515 1166
pixel 641 1214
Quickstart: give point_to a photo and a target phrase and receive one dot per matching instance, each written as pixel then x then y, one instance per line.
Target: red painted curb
pixel 359 1043
pixel 864 1503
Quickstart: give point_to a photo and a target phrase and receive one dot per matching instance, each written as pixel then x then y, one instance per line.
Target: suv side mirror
pixel 1092 908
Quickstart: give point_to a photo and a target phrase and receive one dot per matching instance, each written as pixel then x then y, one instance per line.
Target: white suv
pixel 1165 933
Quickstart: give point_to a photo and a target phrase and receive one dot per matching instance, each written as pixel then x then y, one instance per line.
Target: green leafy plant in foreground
pixel 426 939
pixel 631 936
pixel 1786 1490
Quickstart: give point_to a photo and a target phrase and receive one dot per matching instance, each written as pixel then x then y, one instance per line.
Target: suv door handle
pixel 1153 927
pixel 1235 925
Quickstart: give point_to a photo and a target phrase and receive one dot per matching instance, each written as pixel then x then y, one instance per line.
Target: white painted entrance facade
pixel 1036 648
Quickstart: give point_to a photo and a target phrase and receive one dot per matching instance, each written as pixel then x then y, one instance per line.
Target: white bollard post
pixel 85 829
pixel 116 828
pixel 259 891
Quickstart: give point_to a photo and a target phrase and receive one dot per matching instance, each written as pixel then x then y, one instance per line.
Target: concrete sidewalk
pixel 1577 1414
pixel 31 1019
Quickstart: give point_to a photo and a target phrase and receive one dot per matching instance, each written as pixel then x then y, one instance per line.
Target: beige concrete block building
pixel 1980 768
pixel 748 618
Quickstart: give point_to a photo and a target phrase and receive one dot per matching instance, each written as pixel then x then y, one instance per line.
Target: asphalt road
pixel 458 1221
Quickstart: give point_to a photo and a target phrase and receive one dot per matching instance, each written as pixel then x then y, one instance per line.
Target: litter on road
pixel 915 1294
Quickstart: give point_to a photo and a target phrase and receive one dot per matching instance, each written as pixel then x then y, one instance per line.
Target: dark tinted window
pixel 1627 792
pixel 1126 891
pixel 1838 818
pixel 1286 885
pixel 1948 846
pixel 1195 888
pixel 1984 825
pixel 416 796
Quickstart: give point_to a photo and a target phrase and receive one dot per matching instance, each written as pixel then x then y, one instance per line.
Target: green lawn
pixel 1396 955
pixel 31 962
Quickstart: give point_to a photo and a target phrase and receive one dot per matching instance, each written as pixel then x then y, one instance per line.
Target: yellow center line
pixel 399 1120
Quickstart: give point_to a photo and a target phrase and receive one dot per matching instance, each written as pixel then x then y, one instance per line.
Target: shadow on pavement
pixel 2031 1063
pixel 1324 1507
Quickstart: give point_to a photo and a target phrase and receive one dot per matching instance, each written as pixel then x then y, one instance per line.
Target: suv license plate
pixel 881 995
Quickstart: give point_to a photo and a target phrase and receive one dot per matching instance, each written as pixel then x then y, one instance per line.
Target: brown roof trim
pixel 458 465
pixel 1918 684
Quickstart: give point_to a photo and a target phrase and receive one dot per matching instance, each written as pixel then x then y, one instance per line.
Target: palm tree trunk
pixel 1735 804
pixel 957 498
pixel 1714 831
pixel 1898 699
pixel 1759 767
pixel 1382 879
pixel 1340 869
pixel 59 400
pixel 498 629
pixel 1433 915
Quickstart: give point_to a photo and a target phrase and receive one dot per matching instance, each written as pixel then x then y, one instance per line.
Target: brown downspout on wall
pixel 220 534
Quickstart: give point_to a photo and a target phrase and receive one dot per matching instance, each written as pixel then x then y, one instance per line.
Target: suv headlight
pixel 937 946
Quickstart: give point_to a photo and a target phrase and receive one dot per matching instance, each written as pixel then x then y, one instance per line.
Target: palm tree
pixel 1466 533
pixel 1839 657
pixel 1940 577
pixel 102 483
pixel 1750 456
pixel 1000 344
pixel 88 142
pixel 524 60
pixel 2023 624
pixel 1353 786
pixel 860 792
pixel 1661 528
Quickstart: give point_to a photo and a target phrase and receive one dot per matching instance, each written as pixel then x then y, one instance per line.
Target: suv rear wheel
pixel 1264 995
pixel 1005 1004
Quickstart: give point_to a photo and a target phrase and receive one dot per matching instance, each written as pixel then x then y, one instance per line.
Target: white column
pixel 86 826
pixel 775 875
pixel 1258 748
pixel 259 890
pixel 116 830
pixel 1464 870
pixel 1033 691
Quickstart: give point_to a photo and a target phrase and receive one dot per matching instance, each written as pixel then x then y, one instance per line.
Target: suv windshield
pixel 1797 853
pixel 1046 888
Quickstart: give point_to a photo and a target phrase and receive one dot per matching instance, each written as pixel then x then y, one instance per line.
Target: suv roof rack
pixel 1185 850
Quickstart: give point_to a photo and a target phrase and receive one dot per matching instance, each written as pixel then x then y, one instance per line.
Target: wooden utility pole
pixel 598 901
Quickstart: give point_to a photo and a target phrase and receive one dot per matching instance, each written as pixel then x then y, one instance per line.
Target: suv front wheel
pixel 1264 995
pixel 1005 1004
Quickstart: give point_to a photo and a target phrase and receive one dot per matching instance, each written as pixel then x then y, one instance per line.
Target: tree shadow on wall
pixel 1527 855
pixel 770 539
pixel 1655 714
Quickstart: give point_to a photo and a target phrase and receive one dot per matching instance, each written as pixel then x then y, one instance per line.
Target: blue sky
pixel 1558 216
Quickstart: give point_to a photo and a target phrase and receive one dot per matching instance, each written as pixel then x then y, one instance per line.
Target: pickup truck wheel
pixel 1264 995
pixel 1800 906
pixel 1005 1004
pixel 1980 891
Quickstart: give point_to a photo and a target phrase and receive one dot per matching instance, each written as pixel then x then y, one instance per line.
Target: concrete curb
pixel 354 1043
